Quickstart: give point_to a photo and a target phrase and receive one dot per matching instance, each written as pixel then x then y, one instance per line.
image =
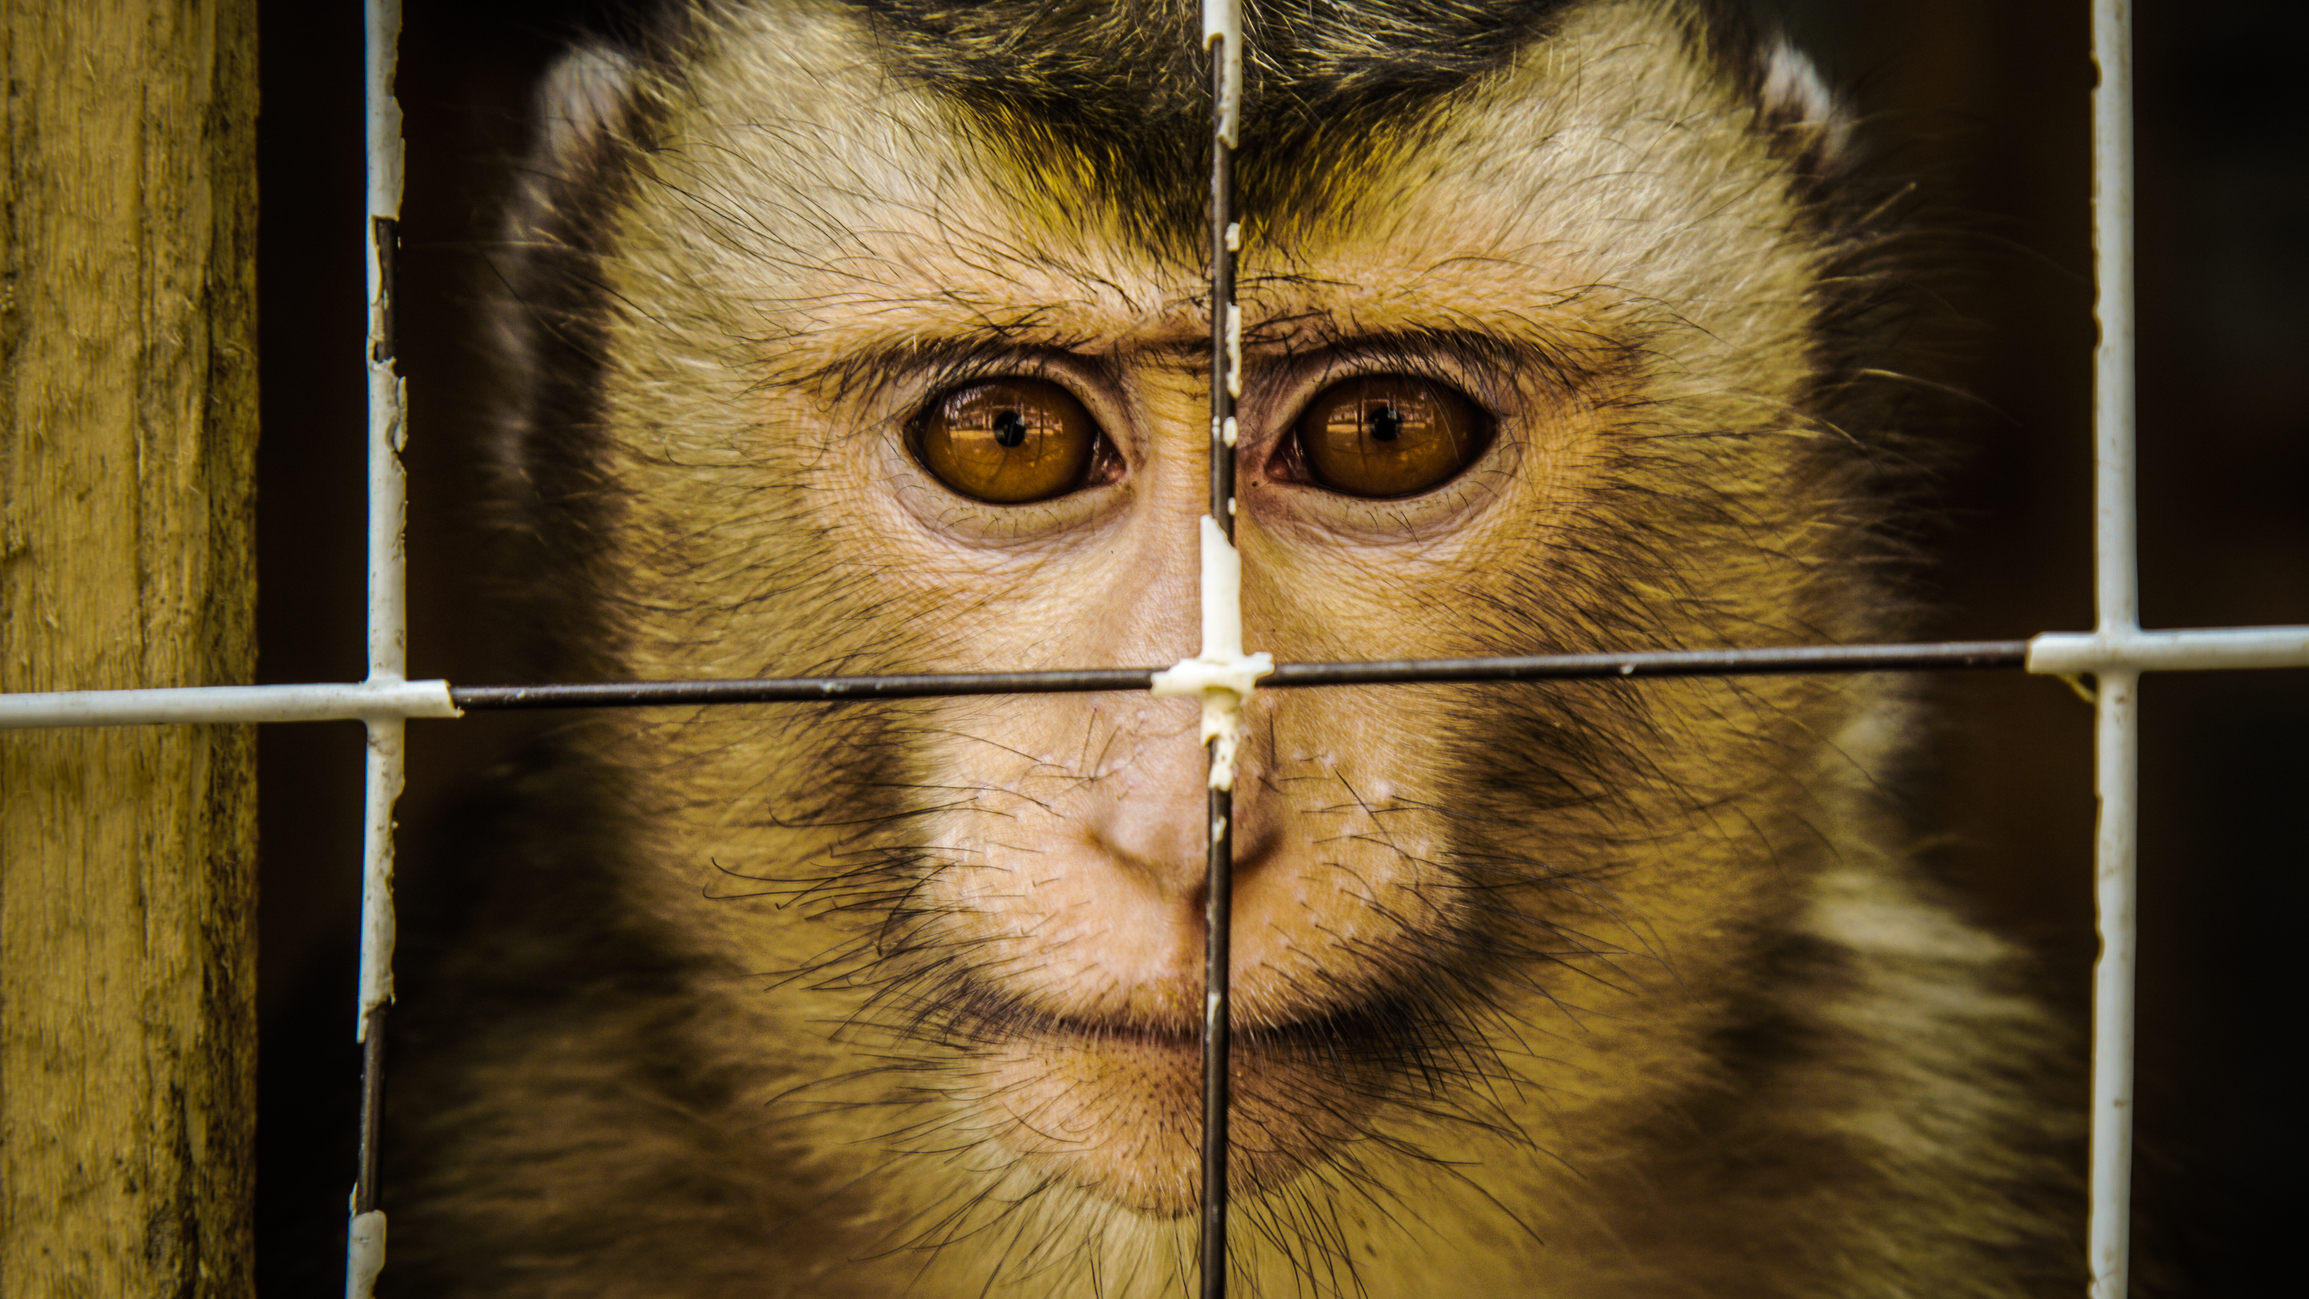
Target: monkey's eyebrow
pixel 1410 343
pixel 943 360
pixel 1558 356
pixel 1527 345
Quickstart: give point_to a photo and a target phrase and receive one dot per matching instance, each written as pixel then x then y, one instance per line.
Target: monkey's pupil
pixel 1386 423
pixel 1009 428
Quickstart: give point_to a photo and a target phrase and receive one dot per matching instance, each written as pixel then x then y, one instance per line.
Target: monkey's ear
pixel 546 302
pixel 1795 102
pixel 581 103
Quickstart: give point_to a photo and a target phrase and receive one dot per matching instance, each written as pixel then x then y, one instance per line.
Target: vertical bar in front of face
pixel 388 624
pixel 2116 757
pixel 1222 39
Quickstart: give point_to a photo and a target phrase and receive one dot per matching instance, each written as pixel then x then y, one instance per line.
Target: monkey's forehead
pixel 840 175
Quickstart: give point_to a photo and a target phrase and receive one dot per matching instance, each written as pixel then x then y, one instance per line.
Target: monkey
pixel 859 336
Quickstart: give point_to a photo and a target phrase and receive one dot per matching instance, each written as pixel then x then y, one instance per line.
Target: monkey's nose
pixel 1156 833
pixel 1156 830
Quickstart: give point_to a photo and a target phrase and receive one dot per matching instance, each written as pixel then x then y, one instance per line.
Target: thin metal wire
pixel 359 701
pixel 2052 653
pixel 387 630
pixel 1939 656
pixel 1218 896
pixel 2116 762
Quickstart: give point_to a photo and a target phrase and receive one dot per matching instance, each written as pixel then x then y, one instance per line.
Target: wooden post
pixel 127 438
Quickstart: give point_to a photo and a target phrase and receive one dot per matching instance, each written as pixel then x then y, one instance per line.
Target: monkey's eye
pixel 1007 442
pixel 1390 435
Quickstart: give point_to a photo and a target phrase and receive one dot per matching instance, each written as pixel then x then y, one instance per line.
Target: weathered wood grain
pixel 127 435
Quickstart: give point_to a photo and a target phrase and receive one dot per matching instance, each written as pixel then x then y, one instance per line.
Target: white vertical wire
pixel 2116 770
pixel 2116 583
pixel 388 505
pixel 388 623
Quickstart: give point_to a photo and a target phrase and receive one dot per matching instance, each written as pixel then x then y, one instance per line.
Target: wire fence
pixel 2113 654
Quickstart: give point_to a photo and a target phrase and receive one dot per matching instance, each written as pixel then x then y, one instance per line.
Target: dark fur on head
pixel 1138 71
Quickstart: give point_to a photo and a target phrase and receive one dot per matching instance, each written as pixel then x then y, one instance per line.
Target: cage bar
pixel 2052 653
pixel 2116 585
pixel 360 701
pixel 388 627
pixel 1223 40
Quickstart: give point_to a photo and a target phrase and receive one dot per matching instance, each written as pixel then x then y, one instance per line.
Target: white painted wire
pixel 365 701
pixel 388 505
pixel 2116 763
pixel 2122 648
pixel 388 609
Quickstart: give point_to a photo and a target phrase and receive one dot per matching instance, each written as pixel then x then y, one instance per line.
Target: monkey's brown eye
pixel 1007 442
pixel 1390 435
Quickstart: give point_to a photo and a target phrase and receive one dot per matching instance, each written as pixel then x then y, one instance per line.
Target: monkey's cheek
pixel 1120 1115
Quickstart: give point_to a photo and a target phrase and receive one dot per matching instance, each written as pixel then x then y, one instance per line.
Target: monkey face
pixel 1070 849
pixel 880 383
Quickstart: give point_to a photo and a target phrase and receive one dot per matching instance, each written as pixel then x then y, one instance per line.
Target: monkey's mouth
pixel 1330 1034
pixel 1375 1029
pixel 1116 1108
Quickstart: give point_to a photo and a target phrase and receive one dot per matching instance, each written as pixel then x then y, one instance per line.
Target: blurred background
pixel 1982 102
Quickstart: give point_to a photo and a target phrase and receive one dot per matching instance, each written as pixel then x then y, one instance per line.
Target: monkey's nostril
pixel 1009 428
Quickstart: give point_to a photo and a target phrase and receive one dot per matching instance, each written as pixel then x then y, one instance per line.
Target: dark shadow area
pixel 1983 102
pixel 466 71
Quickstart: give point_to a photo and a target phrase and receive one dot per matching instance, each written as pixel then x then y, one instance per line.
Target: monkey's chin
pixel 1118 1112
